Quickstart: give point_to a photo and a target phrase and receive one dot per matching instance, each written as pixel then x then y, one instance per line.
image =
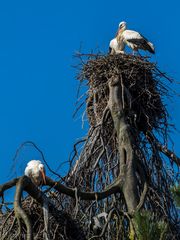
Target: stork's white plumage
pixel 133 39
pixel 115 47
pixel 36 171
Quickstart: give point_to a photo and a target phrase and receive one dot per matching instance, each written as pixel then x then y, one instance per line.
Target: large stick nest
pixel 60 224
pixel 142 89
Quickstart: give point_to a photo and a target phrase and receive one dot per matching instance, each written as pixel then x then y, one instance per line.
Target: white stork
pixel 115 47
pixel 36 172
pixel 133 39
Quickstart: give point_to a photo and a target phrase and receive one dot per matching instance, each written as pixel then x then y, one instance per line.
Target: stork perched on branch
pixel 133 39
pixel 36 172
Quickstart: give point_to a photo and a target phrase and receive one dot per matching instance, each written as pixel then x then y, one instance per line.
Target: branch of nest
pixel 30 188
pixel 170 154
pixel 19 212
pixel 6 186
pixel 24 183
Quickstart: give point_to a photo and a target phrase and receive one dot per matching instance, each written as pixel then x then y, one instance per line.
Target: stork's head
pixel 122 25
pixel 42 171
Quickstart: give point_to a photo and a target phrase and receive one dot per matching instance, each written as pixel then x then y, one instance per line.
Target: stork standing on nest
pixel 36 172
pixel 133 39
pixel 115 47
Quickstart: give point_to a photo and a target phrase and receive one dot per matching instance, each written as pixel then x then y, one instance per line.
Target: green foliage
pixel 176 195
pixel 146 228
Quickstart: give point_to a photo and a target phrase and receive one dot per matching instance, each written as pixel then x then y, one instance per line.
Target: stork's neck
pixel 119 34
pixel 121 30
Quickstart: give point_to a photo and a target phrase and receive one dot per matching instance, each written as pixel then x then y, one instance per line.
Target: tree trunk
pixel 125 144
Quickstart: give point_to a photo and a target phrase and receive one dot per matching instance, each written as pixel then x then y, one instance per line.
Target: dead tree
pixel 123 166
pixel 127 142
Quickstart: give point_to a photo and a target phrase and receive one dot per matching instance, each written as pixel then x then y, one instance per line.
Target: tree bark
pixel 125 143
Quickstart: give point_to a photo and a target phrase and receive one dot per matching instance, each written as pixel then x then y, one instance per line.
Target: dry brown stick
pixel 54 234
pixel 170 154
pixel 9 215
pixel 9 230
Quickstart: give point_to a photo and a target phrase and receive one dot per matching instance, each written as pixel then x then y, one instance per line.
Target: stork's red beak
pixel 44 176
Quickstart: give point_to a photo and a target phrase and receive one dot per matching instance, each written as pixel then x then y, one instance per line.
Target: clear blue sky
pixel 37 82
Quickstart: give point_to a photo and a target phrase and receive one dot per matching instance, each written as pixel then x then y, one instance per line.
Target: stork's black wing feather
pixel 142 43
